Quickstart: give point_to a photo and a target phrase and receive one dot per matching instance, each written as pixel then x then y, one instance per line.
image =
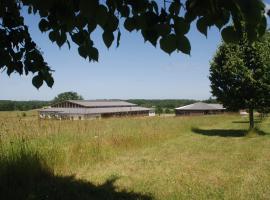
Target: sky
pixel 134 70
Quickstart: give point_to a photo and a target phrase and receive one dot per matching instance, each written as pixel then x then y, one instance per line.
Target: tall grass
pixel 64 144
pixel 25 175
pixel 20 170
pixel 204 157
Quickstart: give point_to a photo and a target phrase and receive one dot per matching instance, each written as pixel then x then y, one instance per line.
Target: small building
pixel 90 109
pixel 243 112
pixel 200 108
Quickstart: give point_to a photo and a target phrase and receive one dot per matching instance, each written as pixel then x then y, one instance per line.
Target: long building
pixel 200 108
pixel 85 109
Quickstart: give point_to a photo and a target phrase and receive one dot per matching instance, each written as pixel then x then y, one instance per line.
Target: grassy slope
pixel 169 158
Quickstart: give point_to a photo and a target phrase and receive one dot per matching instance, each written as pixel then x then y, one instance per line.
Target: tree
pixel 167 111
pixel 67 96
pixel 264 112
pixel 240 75
pixel 210 100
pixel 74 20
pixel 159 110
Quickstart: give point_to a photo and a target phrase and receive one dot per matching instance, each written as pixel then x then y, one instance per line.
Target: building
pixel 243 112
pixel 200 108
pixel 84 109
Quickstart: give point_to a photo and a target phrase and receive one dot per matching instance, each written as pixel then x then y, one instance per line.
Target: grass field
pixel 204 157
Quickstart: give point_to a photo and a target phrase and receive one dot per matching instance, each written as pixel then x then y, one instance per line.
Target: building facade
pixel 200 108
pixel 90 109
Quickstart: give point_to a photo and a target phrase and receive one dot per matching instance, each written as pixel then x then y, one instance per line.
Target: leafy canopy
pixel 74 20
pixel 240 74
pixel 67 96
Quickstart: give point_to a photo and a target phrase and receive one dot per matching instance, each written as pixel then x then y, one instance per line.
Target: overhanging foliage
pixel 74 21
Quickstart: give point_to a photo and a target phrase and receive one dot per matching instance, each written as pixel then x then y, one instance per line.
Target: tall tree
pixel 240 75
pixel 74 20
pixel 67 96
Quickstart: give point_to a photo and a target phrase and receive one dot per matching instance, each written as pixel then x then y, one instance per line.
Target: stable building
pixel 200 108
pixel 90 109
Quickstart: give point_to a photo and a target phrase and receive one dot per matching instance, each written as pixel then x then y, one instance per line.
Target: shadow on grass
pixel 26 177
pixel 229 132
pixel 258 131
pixel 220 132
pixel 246 122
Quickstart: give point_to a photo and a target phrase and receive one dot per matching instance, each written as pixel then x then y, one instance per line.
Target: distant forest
pixel 7 105
pixel 163 103
pixel 161 106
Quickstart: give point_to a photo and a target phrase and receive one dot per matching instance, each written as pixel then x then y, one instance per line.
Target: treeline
pixel 163 103
pixel 7 105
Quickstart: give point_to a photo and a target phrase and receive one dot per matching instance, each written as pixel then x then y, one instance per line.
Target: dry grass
pixel 204 157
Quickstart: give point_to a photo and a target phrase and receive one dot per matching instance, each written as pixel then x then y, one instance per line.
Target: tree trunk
pixel 251 118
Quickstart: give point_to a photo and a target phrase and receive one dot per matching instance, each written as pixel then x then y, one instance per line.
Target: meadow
pixel 200 157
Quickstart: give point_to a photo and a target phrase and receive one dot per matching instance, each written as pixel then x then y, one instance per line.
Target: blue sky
pixel 133 70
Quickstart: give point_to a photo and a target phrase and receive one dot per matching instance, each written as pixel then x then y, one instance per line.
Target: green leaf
pixel 230 35
pixel 174 8
pixel 91 25
pixel 19 67
pixel 53 35
pixel 88 7
pixel 151 36
pixel 49 80
pixel 44 25
pixel 190 15
pixel 222 20
pixel 43 13
pixel 101 16
pixel 10 70
pixel 18 55
pixel 163 29
pixel 93 54
pixel 168 43
pixel 181 26
pixel 112 24
pixel 61 39
pixel 30 10
pixel 141 22
pixel 183 45
pixel 118 38
pixel 202 25
pixel 34 10
pixel 130 24
pixel 124 10
pixel 81 21
pixel 68 43
pixel 83 51
pixel 78 38
pixel 155 6
pixel 37 81
pixel 108 38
